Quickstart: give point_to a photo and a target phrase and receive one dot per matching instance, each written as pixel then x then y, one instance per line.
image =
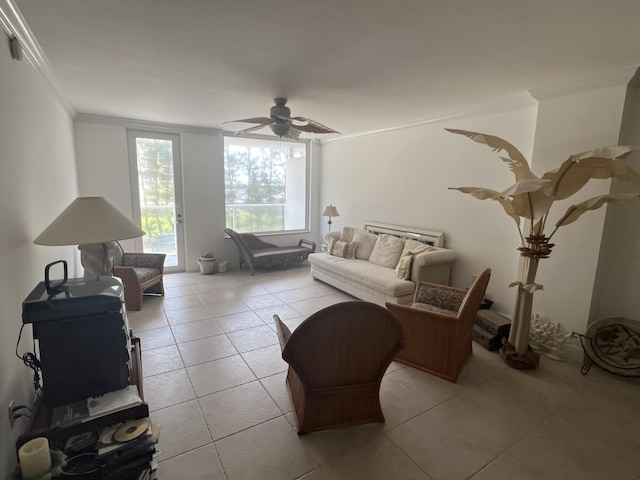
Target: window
pixel 265 184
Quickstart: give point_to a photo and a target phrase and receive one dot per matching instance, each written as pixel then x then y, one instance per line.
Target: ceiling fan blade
pixel 311 126
pixel 251 129
pixel 263 120
pixel 293 133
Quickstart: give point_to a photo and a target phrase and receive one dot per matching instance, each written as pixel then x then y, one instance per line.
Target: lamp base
pixel 95 260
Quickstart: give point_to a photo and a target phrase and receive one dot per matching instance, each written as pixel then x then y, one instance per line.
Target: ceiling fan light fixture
pixel 280 129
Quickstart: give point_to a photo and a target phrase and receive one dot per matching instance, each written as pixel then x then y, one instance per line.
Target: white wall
pixel 38 181
pixel 402 177
pixel 565 126
pixel 204 215
pixel 618 273
pixel 103 175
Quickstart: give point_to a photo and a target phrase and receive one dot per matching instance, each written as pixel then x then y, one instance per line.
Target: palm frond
pixel 574 212
pixel 600 163
pixel 478 192
pixel 488 194
pixel 531 197
pixel 516 161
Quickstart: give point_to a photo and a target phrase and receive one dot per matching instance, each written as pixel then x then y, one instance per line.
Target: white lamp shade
pixel 330 211
pixel 88 220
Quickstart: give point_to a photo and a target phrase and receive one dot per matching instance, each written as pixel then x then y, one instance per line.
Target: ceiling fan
pixel 283 124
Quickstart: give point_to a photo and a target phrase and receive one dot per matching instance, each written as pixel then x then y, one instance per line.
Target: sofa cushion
pixel 403 268
pixel 145 274
pixel 364 274
pixel 342 249
pixel 347 234
pixel 386 251
pixel 415 247
pixel 365 241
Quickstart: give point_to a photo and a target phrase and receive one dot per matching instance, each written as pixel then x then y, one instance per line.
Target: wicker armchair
pixel 140 273
pixel 337 358
pixel 438 326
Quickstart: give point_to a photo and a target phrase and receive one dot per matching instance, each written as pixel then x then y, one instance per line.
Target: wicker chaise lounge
pixel 258 253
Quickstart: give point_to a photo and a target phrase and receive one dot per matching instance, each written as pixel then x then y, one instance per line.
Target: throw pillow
pixel 403 269
pixel 347 233
pixel 342 249
pixel 365 241
pixel 415 247
pixel 386 251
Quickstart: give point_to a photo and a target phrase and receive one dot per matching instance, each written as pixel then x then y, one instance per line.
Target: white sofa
pixel 367 264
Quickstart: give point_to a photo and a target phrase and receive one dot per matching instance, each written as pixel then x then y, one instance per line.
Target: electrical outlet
pixel 11 416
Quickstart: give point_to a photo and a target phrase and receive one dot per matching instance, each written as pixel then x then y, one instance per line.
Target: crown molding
pixel 614 78
pixel 146 125
pixel 15 26
pixel 505 104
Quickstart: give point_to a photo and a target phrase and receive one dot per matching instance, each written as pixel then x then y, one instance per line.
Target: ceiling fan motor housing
pixel 280 110
pixel 280 128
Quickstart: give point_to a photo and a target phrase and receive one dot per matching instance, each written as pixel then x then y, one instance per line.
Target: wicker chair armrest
pixel 282 330
pixel 127 274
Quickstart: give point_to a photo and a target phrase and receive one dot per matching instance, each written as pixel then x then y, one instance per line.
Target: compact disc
pixel 131 430
pixel 106 437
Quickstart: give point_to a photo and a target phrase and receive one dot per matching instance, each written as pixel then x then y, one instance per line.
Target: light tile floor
pixel 215 381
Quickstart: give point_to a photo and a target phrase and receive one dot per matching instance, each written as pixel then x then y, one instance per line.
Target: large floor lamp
pixel 90 223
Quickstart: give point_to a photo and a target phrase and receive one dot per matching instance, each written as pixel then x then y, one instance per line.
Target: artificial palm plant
pixel 529 201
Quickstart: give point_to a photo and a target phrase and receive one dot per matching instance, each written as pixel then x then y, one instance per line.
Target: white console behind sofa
pixel 428 237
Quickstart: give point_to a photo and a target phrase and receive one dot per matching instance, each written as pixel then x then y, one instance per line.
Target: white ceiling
pixel 354 65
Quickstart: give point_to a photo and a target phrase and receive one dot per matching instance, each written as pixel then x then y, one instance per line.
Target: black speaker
pixel 82 357
pixel 83 339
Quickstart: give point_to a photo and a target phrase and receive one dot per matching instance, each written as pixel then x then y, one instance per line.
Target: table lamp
pixel 90 222
pixel 330 211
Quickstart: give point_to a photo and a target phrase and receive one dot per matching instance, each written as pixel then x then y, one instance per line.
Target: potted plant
pixel 529 201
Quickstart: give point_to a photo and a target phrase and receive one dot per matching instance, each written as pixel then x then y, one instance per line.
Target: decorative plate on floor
pixel 614 345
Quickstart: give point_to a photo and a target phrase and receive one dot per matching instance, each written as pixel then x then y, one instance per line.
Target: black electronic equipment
pixel 83 337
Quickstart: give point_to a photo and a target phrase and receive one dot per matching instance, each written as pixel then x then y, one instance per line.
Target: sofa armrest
pixel 331 235
pixel 432 265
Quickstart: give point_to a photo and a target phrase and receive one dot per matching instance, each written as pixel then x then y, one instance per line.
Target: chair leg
pixel 133 299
